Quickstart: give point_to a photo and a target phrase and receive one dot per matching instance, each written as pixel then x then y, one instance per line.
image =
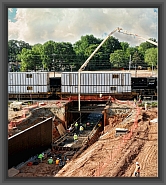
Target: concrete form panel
pixel 29 142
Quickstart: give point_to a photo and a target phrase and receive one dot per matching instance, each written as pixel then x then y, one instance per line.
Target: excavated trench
pixel 74 151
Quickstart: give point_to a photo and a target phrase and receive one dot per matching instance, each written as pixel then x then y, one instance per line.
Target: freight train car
pixel 144 85
pixel 96 82
pixel 28 85
pixel 39 85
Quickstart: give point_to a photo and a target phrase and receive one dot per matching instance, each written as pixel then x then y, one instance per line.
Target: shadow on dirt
pixel 145 117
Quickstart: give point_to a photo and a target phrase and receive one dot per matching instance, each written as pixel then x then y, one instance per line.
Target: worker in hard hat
pixel 87 124
pixel 40 157
pixel 146 106
pixel 140 98
pixel 135 101
pixel 57 161
pixel 70 128
pixel 67 160
pixel 76 126
pixel 75 137
pixel 81 129
pixel 61 163
pixel 99 124
pixel 50 160
pixel 137 170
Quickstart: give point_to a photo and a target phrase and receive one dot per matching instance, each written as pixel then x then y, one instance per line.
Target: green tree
pixel 14 49
pixel 96 62
pixel 136 59
pixel 47 55
pixel 118 59
pixel 151 56
pixel 112 44
pixel 124 45
pixel 80 48
pixel 37 51
pixel 28 60
pixel 65 56
pixel 144 46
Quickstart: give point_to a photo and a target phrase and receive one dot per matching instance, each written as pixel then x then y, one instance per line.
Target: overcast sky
pixel 38 25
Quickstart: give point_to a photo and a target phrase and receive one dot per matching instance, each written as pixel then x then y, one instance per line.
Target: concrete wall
pixel 29 142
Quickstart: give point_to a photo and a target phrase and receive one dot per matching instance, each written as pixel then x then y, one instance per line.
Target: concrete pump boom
pixel 87 61
pixel 127 33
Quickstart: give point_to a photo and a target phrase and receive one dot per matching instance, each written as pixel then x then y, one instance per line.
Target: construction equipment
pixel 87 61
pixel 128 33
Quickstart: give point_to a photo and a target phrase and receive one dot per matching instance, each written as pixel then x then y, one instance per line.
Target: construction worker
pixel 135 101
pixel 99 124
pixel 81 129
pixel 61 163
pixel 76 126
pixel 57 161
pixel 40 157
pixel 70 128
pixel 91 124
pixel 75 137
pixel 45 155
pixel 137 170
pixel 84 125
pixel 87 124
pixel 139 99
pixel 146 106
pixel 50 160
pixel 67 160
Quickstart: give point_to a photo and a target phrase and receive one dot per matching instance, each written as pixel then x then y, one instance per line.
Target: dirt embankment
pixel 112 156
pixel 116 156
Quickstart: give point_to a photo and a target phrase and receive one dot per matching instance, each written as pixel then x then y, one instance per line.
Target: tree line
pixel 64 56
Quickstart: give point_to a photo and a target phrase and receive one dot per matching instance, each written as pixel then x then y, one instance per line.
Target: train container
pixel 28 78
pixel 152 82
pixel 95 89
pixel 28 89
pixel 96 82
pixel 139 82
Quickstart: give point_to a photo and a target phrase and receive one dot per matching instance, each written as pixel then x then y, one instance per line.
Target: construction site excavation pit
pixel 114 123
pixel 61 140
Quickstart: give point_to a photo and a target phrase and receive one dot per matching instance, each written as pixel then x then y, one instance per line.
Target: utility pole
pixel 129 63
pixel 135 70
pixel 53 63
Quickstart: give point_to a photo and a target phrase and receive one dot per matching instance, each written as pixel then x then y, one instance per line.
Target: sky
pixel 39 25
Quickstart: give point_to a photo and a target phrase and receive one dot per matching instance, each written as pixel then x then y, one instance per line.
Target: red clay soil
pixel 115 156
pixel 112 156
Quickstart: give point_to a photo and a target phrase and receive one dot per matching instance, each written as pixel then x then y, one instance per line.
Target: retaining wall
pixel 29 142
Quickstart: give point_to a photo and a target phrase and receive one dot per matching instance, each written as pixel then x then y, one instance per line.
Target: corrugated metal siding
pixel 96 82
pixel 28 78
pixel 27 89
